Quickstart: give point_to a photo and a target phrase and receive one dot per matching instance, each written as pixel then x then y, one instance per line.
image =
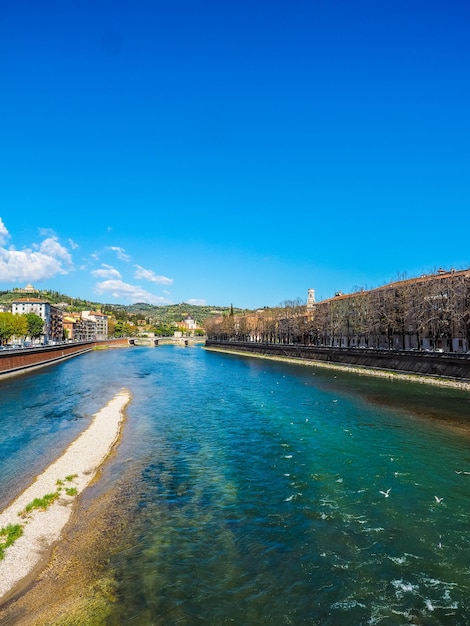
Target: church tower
pixel 311 299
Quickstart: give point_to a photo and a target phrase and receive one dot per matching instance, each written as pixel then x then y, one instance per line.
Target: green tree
pixel 35 325
pixel 123 329
pixel 165 330
pixel 19 326
pixel 6 327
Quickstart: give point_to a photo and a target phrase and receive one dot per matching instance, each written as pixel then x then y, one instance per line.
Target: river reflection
pixel 259 491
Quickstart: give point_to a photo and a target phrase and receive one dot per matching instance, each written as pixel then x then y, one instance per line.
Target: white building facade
pixel 52 316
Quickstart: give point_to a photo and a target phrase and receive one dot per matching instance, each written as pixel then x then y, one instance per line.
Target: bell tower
pixel 311 299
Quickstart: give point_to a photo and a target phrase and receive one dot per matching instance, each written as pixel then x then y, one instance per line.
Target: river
pixel 263 492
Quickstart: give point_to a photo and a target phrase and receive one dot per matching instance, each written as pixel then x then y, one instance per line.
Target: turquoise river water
pixel 266 492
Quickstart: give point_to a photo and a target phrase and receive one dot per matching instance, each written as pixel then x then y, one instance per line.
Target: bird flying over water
pixel 386 493
pixel 438 500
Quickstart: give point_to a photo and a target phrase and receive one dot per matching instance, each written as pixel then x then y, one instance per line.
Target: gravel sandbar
pixel 72 472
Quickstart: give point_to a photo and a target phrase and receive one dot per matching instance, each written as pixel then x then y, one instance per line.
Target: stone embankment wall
pixel 449 365
pixel 17 361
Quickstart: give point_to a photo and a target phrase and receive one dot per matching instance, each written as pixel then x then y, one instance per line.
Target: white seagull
pixel 438 500
pixel 386 493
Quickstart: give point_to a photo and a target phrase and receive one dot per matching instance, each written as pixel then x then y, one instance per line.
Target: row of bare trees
pixel 428 313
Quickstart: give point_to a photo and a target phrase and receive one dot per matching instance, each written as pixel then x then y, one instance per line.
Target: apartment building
pixel 78 329
pixel 51 315
pixel 101 323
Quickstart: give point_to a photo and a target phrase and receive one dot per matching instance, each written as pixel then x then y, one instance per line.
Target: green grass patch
pixel 40 503
pixel 45 502
pixel 8 535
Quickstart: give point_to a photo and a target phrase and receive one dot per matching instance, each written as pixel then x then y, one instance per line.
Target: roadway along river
pixel 253 492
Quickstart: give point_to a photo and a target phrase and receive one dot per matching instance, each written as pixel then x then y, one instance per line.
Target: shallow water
pixel 259 492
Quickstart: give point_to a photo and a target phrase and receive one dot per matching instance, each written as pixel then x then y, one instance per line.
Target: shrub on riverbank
pixel 8 535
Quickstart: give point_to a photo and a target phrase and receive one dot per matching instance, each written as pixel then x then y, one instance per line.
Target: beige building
pixel 27 289
pixel 79 329
pixel 187 326
pixel 101 323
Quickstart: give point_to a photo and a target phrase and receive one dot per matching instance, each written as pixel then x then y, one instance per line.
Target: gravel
pixel 73 471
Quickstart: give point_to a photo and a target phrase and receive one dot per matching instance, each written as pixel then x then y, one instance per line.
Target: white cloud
pixel 4 234
pixel 73 245
pixel 46 232
pixel 106 271
pixel 28 265
pixel 51 247
pixel 130 293
pixel 38 262
pixel 151 276
pixel 120 252
pixel 196 301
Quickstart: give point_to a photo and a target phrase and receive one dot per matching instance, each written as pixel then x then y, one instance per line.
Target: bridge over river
pixel 156 341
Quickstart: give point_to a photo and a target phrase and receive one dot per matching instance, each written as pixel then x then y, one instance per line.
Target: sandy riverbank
pixel 355 369
pixel 67 477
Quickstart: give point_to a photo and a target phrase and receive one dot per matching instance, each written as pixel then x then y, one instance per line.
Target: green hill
pixel 152 314
pixel 166 314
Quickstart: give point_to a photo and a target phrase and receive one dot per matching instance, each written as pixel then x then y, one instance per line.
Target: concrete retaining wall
pixel 447 365
pixel 16 361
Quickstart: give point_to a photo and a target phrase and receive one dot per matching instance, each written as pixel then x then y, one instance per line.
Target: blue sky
pixel 232 152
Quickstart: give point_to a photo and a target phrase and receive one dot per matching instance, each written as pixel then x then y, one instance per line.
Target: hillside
pixel 139 311
pixel 54 297
pixel 174 312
